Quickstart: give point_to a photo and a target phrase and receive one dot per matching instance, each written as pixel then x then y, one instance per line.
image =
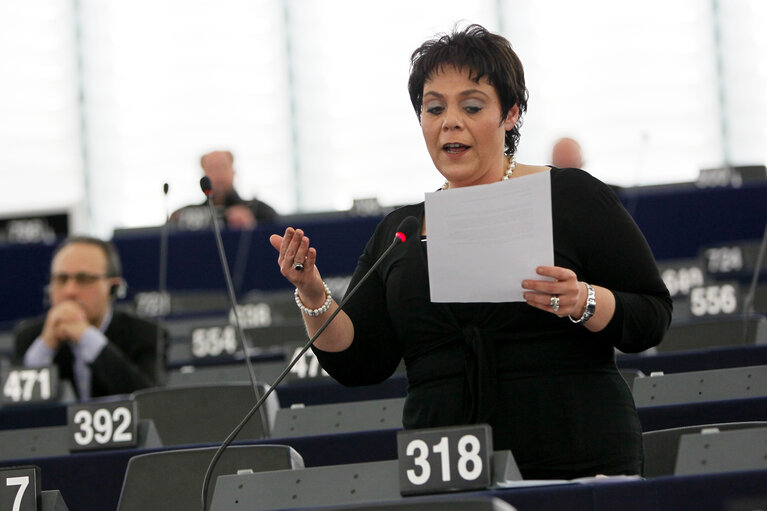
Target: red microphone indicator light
pixel 205 184
pixel 407 228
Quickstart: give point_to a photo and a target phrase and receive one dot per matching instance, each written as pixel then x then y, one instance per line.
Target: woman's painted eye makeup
pixel 434 107
pixel 472 106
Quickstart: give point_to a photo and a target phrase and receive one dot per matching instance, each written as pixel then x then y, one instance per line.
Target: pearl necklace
pixel 506 175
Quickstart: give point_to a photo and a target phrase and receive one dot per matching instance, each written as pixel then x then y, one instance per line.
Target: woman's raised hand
pixel 297 264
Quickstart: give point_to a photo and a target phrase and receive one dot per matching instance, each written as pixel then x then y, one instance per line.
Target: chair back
pixel 196 414
pixel 661 447
pixel 171 480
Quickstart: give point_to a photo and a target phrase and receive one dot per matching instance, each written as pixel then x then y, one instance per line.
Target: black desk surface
pixel 714 492
pixel 696 360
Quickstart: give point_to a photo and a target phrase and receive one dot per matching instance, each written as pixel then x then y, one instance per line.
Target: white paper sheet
pixel 484 240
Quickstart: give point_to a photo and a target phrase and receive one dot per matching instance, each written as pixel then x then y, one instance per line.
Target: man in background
pixel 236 212
pixel 566 153
pixel 101 350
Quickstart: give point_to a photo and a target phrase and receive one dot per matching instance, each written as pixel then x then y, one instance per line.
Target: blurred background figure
pixel 566 153
pixel 236 212
pixel 101 350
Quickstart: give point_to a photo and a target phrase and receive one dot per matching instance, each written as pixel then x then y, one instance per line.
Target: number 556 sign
pixel 444 459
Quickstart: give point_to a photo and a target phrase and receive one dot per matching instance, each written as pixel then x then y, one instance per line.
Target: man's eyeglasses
pixel 81 279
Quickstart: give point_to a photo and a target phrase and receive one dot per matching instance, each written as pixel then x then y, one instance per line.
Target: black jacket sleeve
pixel 611 251
pixel 129 360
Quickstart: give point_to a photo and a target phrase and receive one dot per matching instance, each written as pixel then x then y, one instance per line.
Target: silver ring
pixel 298 266
pixel 554 302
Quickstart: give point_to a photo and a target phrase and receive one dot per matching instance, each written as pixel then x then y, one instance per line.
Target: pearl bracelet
pixel 315 312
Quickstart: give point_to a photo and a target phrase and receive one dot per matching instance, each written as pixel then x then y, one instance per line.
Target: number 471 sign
pixel 439 460
pixel 23 385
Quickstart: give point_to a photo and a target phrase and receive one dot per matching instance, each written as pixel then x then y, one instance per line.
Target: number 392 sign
pixel 108 425
pixel 445 459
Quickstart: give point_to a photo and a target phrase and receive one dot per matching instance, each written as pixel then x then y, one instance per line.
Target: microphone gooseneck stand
pixel 408 227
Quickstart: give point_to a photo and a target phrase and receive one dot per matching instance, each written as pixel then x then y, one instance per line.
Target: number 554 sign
pixel 445 459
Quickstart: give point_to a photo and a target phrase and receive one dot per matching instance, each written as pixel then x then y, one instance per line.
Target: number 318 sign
pixel 445 459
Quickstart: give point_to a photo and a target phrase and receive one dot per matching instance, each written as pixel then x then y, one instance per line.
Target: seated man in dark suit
pixel 102 351
pixel 236 212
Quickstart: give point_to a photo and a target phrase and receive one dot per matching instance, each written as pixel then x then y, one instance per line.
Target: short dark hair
pixel 482 53
pixel 114 268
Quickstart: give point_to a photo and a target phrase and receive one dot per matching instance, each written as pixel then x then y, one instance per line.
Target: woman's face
pixel 461 124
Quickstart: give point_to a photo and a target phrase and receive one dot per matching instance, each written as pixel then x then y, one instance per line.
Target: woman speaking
pixel 541 372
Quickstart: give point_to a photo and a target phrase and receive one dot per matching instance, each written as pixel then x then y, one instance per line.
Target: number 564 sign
pixel 445 459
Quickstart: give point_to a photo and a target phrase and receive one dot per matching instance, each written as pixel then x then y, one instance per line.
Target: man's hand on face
pixel 66 321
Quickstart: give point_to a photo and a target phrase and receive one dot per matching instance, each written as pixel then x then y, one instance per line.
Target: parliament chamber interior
pixel 701 394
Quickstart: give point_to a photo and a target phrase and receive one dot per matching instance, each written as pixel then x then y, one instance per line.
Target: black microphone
pixel 207 189
pixel 162 286
pixel 408 228
pixel 748 303
pixel 206 185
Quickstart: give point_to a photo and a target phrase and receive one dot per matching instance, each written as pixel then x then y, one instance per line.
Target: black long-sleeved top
pixel 549 388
